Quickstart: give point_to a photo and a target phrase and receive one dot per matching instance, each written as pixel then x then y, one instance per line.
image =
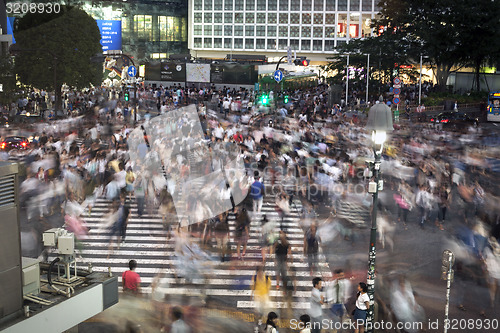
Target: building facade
pixel 312 28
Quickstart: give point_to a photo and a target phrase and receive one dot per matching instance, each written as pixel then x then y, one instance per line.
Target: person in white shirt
pixel 362 305
pixel 317 300
pixel 338 293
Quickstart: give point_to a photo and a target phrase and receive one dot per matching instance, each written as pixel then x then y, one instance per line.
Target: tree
pixel 7 79
pixel 450 34
pixel 56 48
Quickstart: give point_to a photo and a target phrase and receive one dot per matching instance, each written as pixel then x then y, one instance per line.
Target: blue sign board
pixel 10 29
pixel 111 34
pixel 278 75
pixel 132 71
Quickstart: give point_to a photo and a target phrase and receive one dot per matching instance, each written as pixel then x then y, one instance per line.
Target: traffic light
pixel 302 61
pixel 126 96
pixel 264 99
pixel 285 100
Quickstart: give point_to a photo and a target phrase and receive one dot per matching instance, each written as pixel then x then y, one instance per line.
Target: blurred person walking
pixel 282 249
pixel 257 191
pixel 242 231
pixel 178 326
pixel 311 247
pixel 271 323
pixel 260 286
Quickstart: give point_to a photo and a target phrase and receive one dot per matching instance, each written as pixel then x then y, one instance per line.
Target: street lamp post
pixel 420 81
pixel 379 122
pixel 367 77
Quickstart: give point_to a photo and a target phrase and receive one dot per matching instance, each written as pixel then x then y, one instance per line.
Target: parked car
pixel 14 142
pixel 455 119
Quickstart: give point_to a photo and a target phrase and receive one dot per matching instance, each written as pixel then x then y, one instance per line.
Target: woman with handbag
pixel 362 305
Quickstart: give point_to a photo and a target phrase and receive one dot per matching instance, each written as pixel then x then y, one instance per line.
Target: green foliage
pixel 439 98
pixel 66 40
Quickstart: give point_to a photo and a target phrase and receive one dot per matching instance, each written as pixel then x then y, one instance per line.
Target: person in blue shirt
pixel 257 193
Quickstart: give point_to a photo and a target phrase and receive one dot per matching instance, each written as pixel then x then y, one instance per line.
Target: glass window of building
pixel 228 4
pixel 249 18
pixel 366 5
pixel 197 42
pixel 342 26
pixel 283 31
pixel 261 18
pixel 305 45
pixel 329 45
pixel 238 30
pixel 271 31
pixel 228 30
pixel 342 5
pixel 306 5
pixel 198 4
pixel 239 4
pixel 283 5
pixel 249 30
pixel 260 44
pixel 250 5
pixel 249 44
pixel 208 5
pixel 376 7
pixel 143 24
pixel 197 30
pixel 317 45
pixel 238 17
pixel 208 18
pixel 294 44
pixel 283 18
pixel 294 18
pixel 354 25
pixel 217 43
pixel 217 17
pixel 283 44
pixel 329 18
pixel 261 5
pixel 238 43
pixel 306 32
pixel 318 32
pixel 261 30
pixel 330 32
pixel 354 5
pixel 208 30
pixel 198 18
pixel 207 43
pixel 228 17
pixel 162 25
pixel 295 5
pixel 272 4
pixel 228 43
pixel 366 21
pixel 294 31
pixel 217 4
pixel 271 44
pixel 217 30
pixel 271 18
pixel 306 18
pixel 318 18
pixel 318 5
pixel 341 42
pixel 330 5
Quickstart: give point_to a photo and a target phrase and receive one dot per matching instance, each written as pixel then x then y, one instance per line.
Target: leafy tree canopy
pixel 65 40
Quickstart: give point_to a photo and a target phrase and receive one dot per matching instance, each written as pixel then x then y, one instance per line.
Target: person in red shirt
pixel 131 281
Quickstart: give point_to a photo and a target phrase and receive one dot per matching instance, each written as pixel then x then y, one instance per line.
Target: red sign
pixel 397 80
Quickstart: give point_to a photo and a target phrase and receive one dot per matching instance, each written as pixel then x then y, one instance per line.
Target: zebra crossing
pixel 229 282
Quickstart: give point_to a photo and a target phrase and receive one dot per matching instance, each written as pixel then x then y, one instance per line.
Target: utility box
pixel 11 289
pixel 31 276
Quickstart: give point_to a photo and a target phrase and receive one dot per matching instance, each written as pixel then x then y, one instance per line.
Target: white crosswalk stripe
pixel 147 241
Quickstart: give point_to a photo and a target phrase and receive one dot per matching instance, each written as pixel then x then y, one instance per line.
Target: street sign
pixel 132 71
pixel 395 100
pixel 278 75
pixel 397 80
pixel 397 91
pixel 397 86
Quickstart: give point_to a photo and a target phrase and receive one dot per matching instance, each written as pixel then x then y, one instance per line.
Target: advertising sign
pixel 171 71
pixel 111 34
pixel 216 73
pixel 198 73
